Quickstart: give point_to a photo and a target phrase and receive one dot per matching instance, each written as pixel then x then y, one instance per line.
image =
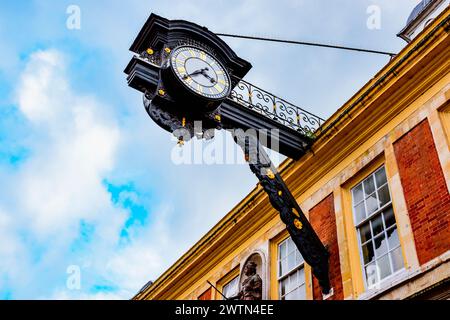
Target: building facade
pixel 375 187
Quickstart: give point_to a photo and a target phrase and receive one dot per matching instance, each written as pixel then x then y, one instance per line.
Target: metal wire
pixel 307 44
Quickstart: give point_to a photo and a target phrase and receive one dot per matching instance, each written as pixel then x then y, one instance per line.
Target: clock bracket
pixel 152 47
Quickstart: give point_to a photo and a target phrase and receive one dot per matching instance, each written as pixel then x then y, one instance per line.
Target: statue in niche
pixel 251 288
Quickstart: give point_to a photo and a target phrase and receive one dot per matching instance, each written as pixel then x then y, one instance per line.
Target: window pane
pixel 389 218
pixel 301 276
pixel 231 288
pixel 291 282
pixel 290 246
pixel 357 194
pixel 290 296
pixel 380 245
pixel 295 294
pixel 283 284
pixel 384 266
pixel 283 267
pixel 377 225
pixel 371 274
pixel 364 232
pixel 301 293
pixel 282 250
pixel 368 254
pixel 383 195
pixel 372 203
pixel 298 258
pixel 393 240
pixel 293 287
pixel 225 292
pixel 397 259
pixel 369 186
pixel 289 286
pixel 291 261
pixel 380 177
pixel 360 212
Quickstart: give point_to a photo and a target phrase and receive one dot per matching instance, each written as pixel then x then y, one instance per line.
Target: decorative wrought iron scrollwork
pixel 275 108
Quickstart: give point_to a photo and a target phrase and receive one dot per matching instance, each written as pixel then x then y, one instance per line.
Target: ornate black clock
pixel 193 74
pixel 188 74
pixel 200 72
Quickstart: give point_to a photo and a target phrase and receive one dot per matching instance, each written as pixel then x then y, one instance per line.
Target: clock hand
pixel 192 74
pixel 200 71
pixel 207 76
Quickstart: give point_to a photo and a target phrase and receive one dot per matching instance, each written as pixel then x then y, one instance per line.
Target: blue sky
pixel 86 178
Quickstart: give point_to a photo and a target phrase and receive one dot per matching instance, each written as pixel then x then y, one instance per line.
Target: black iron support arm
pixel 298 226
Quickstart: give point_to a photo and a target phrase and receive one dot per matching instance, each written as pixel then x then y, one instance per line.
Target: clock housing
pixel 153 72
pixel 194 76
pixel 200 72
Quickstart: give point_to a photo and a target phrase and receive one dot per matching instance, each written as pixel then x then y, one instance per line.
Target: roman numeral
pixel 218 88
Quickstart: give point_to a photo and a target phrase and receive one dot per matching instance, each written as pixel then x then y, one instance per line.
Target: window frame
pixel 227 278
pixel 290 272
pixel 229 282
pixel 367 221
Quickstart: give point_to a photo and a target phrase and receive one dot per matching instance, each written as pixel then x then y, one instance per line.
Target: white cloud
pixel 130 268
pixel 12 251
pixel 43 91
pixel 62 183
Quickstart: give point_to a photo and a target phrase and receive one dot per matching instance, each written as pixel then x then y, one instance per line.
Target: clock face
pixel 200 72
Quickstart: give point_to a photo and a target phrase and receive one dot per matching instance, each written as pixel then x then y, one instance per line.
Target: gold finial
pixel 183 122
pixel 150 51
pixel 298 224
pixel 294 211
pixel 161 92
pixel 218 117
pixel 280 193
pixel 270 174
pixel 167 50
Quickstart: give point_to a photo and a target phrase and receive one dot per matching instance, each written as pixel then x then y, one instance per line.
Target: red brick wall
pixel 323 220
pixel 426 194
pixel 207 295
